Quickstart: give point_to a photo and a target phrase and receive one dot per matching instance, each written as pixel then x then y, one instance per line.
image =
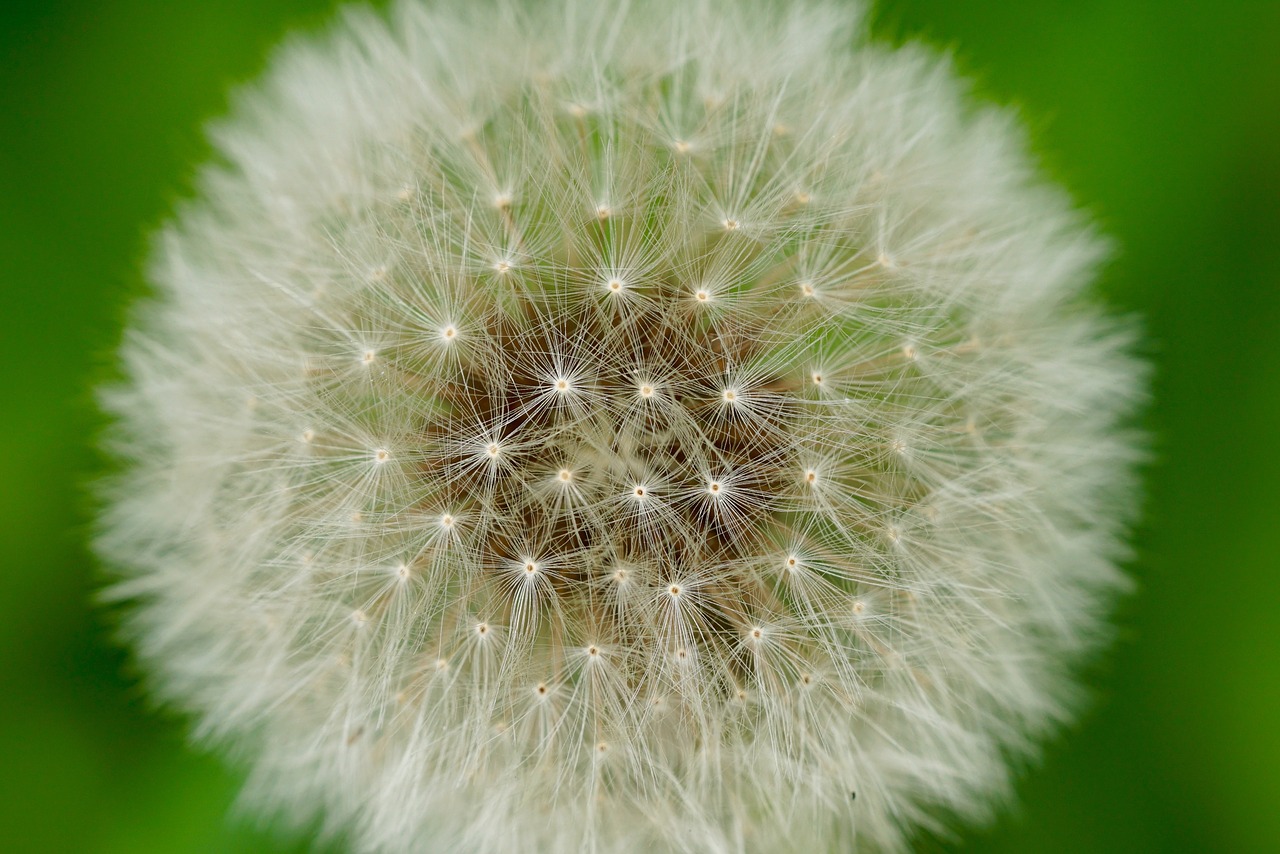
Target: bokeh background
pixel 1163 118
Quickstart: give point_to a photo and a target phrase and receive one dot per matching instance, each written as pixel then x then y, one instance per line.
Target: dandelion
pixel 594 427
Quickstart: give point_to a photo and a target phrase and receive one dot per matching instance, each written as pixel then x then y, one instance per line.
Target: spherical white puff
pixel 597 428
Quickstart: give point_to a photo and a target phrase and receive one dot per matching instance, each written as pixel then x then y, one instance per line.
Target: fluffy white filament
pixel 672 426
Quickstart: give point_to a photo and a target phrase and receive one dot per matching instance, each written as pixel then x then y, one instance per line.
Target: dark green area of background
pixel 1162 117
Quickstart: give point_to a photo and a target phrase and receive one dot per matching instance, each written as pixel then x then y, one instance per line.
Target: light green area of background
pixel 1164 118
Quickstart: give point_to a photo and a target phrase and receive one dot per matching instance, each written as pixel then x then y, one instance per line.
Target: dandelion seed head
pixel 599 427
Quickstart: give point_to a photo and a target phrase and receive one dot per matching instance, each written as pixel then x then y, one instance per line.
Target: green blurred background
pixel 1162 117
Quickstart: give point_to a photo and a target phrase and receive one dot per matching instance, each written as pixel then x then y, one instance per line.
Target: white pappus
pixel 607 427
